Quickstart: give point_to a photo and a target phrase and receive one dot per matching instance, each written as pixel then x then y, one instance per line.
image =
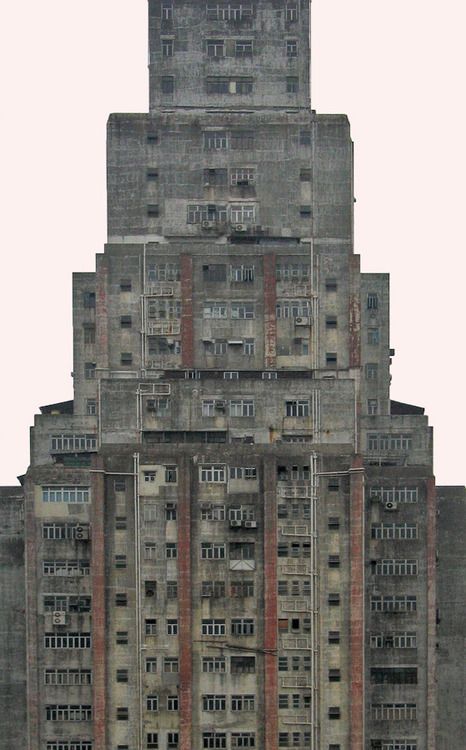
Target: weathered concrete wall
pixel 12 620
pixel 451 603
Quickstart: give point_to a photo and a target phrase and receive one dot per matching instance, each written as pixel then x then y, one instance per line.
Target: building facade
pixel 230 530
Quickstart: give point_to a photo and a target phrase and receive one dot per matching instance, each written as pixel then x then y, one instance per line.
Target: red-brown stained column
pixel 270 607
pixel 184 603
pixel 32 564
pixel 357 606
pixel 101 303
pixel 98 605
pixel 270 316
pixel 431 612
pixel 187 315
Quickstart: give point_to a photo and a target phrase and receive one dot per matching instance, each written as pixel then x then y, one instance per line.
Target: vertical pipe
pixel 137 572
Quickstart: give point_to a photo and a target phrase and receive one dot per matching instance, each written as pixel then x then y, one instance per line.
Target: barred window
pixel 233 11
pixel 393 603
pixel 213 513
pixel 242 273
pixel 69 744
pixel 215 589
pixel 394 675
pixel 68 713
pixel 242 176
pixel 243 472
pixel 394 494
pixel 393 640
pixel 67 677
pixel 163 272
pixel 73 443
pixel 242 213
pixel 65 494
pixel 239 589
pixel 67 640
pixel 215 139
pixel 213 551
pixel 394 711
pixel 206 212
pixel 394 531
pixel 66 567
pixel 396 567
pixel 243 664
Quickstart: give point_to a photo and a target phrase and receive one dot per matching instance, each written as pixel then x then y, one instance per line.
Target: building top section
pixel 236 54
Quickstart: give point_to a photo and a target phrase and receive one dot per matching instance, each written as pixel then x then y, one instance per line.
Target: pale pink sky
pixel 396 67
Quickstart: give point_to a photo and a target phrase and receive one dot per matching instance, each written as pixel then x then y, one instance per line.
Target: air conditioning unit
pixel 240 228
pixel 58 618
pixel 208 224
pixel 235 524
pixel 391 505
pixel 81 533
pixel 250 524
pixel 302 321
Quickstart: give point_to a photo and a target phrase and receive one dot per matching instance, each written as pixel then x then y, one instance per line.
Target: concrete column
pixel 270 606
pixel 356 686
pixel 98 605
pixel 185 603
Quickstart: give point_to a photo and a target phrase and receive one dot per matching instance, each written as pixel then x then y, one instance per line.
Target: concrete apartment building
pixel 230 532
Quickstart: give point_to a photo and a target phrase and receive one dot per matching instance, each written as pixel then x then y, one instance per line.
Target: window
pixel 214 664
pixel 213 272
pixel 66 567
pixel 242 626
pixel 292 48
pixel 334 675
pixel 373 336
pixel 172 740
pixel 213 702
pixel 241 550
pixel 215 48
pixel 334 600
pixel 73 442
pixel 396 567
pixel 305 137
pixel 372 406
pixel 67 640
pixel 64 531
pixel 149 476
pixel 231 375
pixel 89 300
pixel 151 664
pixel 394 494
pixel 242 213
pixel 167 10
pixel 243 664
pixel 394 531
pixel 217 347
pixel 126 358
pixel 65 494
pixel 152 175
pixel 292 271
pixel 66 603
pixel 333 637
pixel 214 740
pixel 163 272
pixel 120 523
pixel 170 664
pixel 215 310
pixel 372 301
pixel 122 713
pixel 69 745
pixel 305 175
pixel 215 177
pixel 241 408
pixel 152 138
pixel 150 512
pixel 248 347
pixel 120 562
pixel 213 513
pixel 172 627
pixel 213 627
pixel 125 321
pixel 241 589
pixel 394 711
pixel 292 87
pixel 89 333
pixel 215 589
pixel 214 473
pixel 172 589
pixel 394 675
pixel 242 140
pixel 121 600
pixel 394 640
pixel 167 84
pixel 291 11
pixel 334 712
pixel 172 703
pixel 152 740
pixel 243 739
pixel 233 11
pixel 150 626
pixel 243 47
pixel 393 604
pixel 67 677
pixel 68 713
pixel 331 359
pixel 171 551
pixel 242 311
pixel 150 588
pixel 91 407
pixel 299 408
pixel 167 47
pixel 334 561
pixel 152 703
pixel 292 308
pixel 170 511
pixel 153 210
pixel 372 371
pixel 215 139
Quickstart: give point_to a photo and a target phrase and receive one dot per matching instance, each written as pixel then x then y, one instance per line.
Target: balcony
pixel 165 328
